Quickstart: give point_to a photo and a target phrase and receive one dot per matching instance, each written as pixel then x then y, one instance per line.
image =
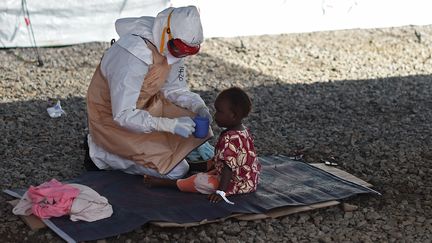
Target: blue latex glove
pixel 203 111
pixel 206 151
pixel 184 126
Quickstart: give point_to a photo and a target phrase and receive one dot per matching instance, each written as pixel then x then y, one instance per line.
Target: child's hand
pixel 214 198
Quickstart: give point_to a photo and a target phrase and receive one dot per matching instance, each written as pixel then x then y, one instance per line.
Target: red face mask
pixel 176 47
pixel 180 49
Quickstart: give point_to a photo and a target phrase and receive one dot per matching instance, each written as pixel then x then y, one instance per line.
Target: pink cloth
pixel 52 199
pixel 87 206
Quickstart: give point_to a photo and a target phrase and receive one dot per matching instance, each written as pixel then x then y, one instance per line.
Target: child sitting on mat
pixel 235 167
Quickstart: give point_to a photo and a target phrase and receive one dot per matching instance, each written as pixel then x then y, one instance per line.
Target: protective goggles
pixel 176 46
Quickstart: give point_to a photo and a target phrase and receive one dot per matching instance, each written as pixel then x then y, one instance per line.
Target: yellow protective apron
pixel 157 150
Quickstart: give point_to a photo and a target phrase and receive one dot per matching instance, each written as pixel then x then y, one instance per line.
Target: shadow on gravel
pixel 376 129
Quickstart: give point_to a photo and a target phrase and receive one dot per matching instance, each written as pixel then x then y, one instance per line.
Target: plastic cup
pixel 201 127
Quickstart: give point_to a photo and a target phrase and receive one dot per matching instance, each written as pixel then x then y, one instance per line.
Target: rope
pixel 30 27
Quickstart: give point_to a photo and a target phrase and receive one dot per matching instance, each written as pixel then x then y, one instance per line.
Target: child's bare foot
pixel 151 181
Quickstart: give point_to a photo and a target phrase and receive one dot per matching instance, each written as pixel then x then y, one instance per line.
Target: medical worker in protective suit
pixel 139 105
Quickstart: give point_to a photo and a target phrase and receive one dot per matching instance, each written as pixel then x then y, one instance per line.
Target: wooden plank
pixel 185 225
pixel 273 213
pixel 31 221
pixel 342 174
pixel 283 211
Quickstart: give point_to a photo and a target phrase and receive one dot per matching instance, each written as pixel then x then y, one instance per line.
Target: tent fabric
pixel 283 182
pixel 77 21
pixel 68 22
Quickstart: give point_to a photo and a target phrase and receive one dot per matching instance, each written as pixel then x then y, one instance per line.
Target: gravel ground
pixel 362 96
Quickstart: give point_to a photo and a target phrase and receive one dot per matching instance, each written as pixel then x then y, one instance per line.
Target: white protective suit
pixel 125 64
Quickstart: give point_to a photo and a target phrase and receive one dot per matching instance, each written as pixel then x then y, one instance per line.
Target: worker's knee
pixel 179 171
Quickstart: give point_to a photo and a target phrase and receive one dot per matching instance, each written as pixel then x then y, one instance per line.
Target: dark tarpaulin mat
pixel 283 182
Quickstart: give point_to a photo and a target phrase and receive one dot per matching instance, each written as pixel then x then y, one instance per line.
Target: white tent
pixel 67 22
pixel 76 21
pixel 228 18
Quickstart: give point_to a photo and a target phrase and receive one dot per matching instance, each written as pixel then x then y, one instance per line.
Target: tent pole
pixel 28 23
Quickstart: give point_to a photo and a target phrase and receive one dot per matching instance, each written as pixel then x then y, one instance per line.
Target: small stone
pixel 348 215
pixel 325 239
pixel 220 240
pixel 421 219
pixel 349 207
pixel 242 223
pixel 164 236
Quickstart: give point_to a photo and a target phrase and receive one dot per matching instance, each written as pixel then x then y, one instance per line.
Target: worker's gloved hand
pixel 203 111
pixel 183 126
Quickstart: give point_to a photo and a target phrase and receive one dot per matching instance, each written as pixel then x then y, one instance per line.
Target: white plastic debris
pixel 56 110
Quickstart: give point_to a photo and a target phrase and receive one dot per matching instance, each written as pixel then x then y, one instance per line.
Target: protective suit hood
pixel 136 26
pixel 185 24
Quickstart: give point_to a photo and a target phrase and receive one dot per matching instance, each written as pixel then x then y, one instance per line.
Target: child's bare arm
pixel 225 178
pixel 223 184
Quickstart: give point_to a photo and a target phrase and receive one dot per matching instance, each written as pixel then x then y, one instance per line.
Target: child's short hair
pixel 239 100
